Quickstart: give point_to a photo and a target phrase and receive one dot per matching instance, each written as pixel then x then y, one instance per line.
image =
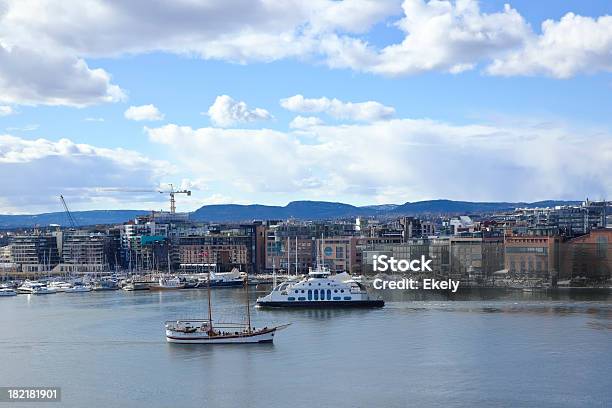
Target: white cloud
pixel 565 48
pixel 362 111
pixel 304 122
pixel 143 112
pixel 6 111
pixel 93 119
pixel 438 35
pixel 226 111
pixel 33 77
pixel 398 160
pixel 41 169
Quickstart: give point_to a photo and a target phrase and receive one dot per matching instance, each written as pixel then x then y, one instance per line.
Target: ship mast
pixel 248 306
pixel 210 324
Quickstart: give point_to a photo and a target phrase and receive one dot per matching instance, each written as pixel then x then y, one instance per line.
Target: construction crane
pixel 171 192
pixel 71 219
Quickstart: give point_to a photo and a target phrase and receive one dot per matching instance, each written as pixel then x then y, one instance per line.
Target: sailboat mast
pixel 209 302
pixel 248 306
pixel 288 255
pixel 296 256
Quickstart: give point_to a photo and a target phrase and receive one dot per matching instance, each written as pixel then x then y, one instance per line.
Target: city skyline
pixel 364 102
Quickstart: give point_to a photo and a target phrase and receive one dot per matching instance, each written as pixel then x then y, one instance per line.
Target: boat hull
pixel 322 304
pixel 231 284
pixel 193 338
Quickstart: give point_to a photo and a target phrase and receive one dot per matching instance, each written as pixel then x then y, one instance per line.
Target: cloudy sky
pixel 269 101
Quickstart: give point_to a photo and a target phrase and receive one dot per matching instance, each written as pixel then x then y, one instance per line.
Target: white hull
pixel 202 338
pixel 8 292
pixel 81 289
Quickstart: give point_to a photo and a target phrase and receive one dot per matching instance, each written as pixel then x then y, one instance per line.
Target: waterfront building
pixel 532 256
pixel 587 257
pixel 83 251
pixel 35 251
pixel 224 251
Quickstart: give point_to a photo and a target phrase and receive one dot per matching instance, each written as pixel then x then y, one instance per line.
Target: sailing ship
pixel 196 331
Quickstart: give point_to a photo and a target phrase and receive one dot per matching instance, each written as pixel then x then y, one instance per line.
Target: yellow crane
pixel 171 192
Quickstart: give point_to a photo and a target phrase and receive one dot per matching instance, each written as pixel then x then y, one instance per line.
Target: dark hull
pixel 225 284
pixel 323 304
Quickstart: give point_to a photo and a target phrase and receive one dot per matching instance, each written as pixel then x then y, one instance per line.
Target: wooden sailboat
pixel 206 332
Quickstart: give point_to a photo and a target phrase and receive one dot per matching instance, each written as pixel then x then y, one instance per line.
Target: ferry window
pixel 290 298
pixel 309 294
pixel 335 290
pixel 301 298
pixel 328 294
pixel 316 295
pixel 337 298
pixel 319 284
pixel 302 290
pixel 347 298
pixel 341 290
pixel 296 291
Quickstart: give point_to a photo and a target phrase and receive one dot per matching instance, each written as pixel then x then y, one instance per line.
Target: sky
pixel 261 101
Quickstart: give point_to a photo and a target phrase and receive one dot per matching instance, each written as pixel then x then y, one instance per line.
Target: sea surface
pixel 482 348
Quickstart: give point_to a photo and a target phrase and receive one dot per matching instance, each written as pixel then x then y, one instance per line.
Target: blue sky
pixel 485 105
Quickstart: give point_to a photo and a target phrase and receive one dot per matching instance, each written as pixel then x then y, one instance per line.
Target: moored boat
pixel 7 292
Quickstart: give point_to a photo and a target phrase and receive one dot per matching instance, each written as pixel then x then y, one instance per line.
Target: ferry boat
pixel 320 289
pixel 59 286
pixel 195 331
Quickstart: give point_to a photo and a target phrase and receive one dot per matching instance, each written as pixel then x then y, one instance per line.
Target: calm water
pixel 107 349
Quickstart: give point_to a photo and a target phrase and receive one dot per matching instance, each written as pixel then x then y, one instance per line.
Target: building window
pixel 316 295
pixel 328 294
pixel 309 294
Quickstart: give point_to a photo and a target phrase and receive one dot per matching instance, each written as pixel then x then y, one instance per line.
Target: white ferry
pixel 320 289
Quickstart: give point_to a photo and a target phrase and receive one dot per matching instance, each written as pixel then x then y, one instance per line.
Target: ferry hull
pixel 323 304
pixel 186 338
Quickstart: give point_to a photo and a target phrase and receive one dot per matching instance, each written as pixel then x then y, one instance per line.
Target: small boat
pixel 136 285
pixel 7 292
pixel 167 283
pixel 78 287
pixel 194 331
pixel 104 284
pixel 59 286
pixel 35 288
pixel 232 279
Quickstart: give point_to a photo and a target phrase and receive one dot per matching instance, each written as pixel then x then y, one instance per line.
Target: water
pixel 503 349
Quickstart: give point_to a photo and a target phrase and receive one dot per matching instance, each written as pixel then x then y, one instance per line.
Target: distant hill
pixel 468 207
pixel 304 210
pixel 82 218
pixel 312 210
